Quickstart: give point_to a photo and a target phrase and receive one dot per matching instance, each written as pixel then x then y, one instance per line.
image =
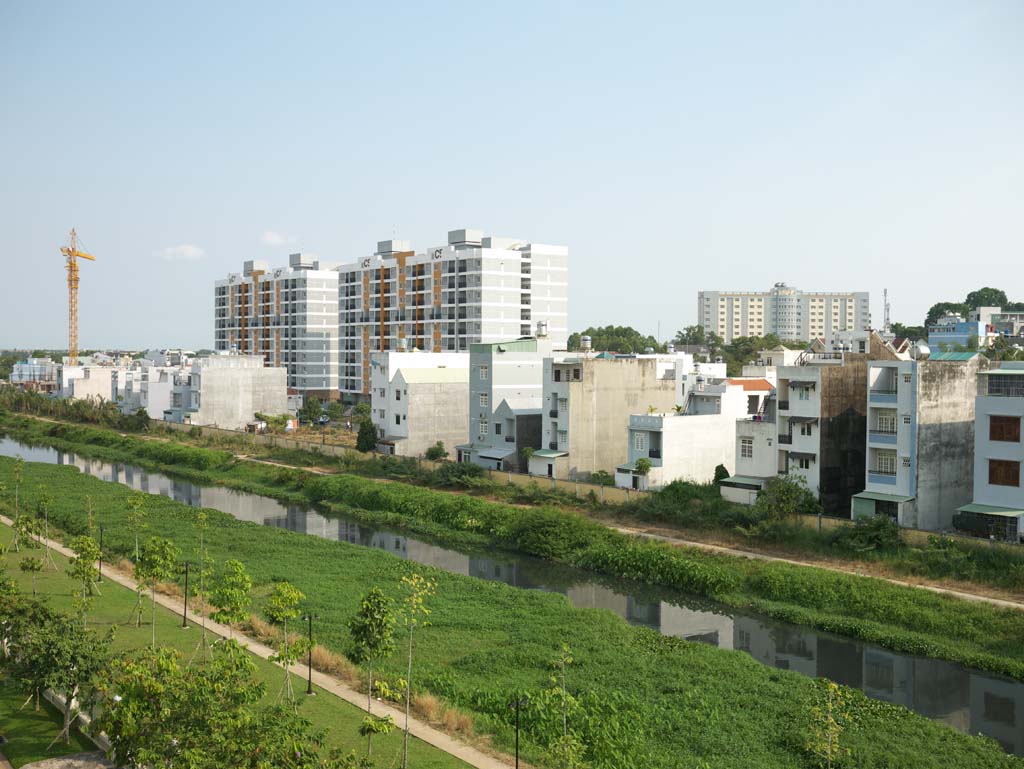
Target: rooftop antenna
pixel 885 318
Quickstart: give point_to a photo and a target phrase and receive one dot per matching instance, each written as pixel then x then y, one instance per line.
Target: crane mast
pixel 73 254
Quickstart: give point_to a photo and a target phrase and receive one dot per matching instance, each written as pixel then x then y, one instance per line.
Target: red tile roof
pixel 751 384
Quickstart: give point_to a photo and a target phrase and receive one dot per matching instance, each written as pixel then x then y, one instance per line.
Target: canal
pixel 962 698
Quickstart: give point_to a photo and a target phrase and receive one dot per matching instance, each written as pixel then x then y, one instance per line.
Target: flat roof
pixel 953 356
pixel 743 480
pixel 879 497
pixel 1004 512
pixel 434 375
pixel 549 454
pixel 495 453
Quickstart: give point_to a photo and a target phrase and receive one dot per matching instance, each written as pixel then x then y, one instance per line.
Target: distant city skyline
pixel 672 147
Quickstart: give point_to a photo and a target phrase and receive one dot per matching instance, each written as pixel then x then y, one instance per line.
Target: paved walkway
pixel 679 542
pixel 417 728
pixel 76 761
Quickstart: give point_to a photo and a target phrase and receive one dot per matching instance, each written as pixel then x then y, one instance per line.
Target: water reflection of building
pixel 997 710
pixel 889 677
pixel 940 692
pixel 589 595
pixel 493 570
pixel 701 626
pixel 779 646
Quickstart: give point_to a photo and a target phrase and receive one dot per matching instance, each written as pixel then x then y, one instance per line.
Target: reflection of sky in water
pixel 942 691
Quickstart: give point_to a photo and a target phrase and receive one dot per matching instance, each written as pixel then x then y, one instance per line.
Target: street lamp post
pixel 517 705
pixel 99 564
pixel 184 614
pixel 309 659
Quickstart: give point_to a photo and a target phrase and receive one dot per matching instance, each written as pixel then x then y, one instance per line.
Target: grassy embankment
pixel 645 700
pixel 900 618
pixel 687 510
pixel 30 733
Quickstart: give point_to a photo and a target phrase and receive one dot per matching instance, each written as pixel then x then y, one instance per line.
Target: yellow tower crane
pixel 73 255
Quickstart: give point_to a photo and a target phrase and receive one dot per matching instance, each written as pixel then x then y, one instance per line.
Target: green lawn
pixel 340 719
pixel 29 732
pixel 646 701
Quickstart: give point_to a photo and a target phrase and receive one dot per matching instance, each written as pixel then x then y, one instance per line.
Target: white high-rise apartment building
pixel 785 311
pixel 288 315
pixel 473 289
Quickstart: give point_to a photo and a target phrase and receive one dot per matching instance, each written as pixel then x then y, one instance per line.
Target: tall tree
pixel 283 605
pixel 620 339
pixel 158 562
pixel 414 614
pixel 372 631
pixel 986 297
pixel 83 569
pixel 366 439
pixel 231 593
pixel 137 516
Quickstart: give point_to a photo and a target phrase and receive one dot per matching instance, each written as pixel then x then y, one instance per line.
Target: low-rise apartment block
pixel 587 402
pixel 227 391
pixel 688 444
pixel 506 393
pixel 785 311
pixel 418 399
pixel 920 441
pixel 998 501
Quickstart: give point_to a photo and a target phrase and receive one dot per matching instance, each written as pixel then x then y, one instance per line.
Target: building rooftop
pixel 438 374
pixel 953 356
pixel 759 385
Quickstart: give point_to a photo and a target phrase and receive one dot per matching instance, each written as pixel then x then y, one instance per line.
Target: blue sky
pixel 672 147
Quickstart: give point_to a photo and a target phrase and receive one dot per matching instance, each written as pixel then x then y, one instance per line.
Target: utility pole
pixel 309 658
pixel 184 614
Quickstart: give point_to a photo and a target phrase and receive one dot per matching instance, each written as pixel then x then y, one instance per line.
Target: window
pixel 639 442
pixel 1003 472
pixel 906 419
pixel 805 428
pixel 886 423
pixel 576 375
pixel 558 375
pixel 482 372
pixel 747 448
pixel 804 393
pixel 398 395
pixel 805 463
pixel 497 428
pixel 483 427
pixel 398 419
pixel 1004 429
pixel 906 379
pixel 485 400
pixel 885 462
pixel 905 461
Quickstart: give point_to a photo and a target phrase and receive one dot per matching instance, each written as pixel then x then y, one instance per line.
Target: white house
pixel 998 502
pixel 418 399
pixel 690 443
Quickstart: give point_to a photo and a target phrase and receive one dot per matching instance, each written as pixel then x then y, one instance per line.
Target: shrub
pixel 437 452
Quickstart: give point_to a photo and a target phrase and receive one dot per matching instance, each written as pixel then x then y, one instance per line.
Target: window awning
pixel 495 453
pixel 548 454
pixel 743 482
pixel 878 497
pixel 799 420
pixel 1003 512
pixel 803 455
pixel 802 383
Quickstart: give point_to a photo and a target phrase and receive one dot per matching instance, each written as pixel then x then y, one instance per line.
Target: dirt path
pixel 417 728
pixel 860 572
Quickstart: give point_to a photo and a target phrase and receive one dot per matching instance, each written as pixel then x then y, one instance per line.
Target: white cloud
pixel 184 252
pixel 271 238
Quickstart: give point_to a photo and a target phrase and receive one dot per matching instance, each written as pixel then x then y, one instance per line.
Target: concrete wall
pixel 229 396
pixel 600 406
pixel 435 412
pixel 765 461
pixel 946 391
pixel 97 383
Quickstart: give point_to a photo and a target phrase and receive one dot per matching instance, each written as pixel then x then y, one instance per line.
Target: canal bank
pixel 948 693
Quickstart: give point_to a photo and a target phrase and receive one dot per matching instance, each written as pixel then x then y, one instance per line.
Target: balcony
pixel 783 405
pixel 786 440
pixel 553 413
pixel 882 394
pixel 883 477
pixel 887 437
pixel 654 453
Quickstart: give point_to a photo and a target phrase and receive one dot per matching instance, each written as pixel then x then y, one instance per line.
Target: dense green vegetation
pixel 899 618
pixel 638 699
pixel 621 339
pixel 30 733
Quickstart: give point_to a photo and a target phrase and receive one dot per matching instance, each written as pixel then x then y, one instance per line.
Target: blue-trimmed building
pixel 920 444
